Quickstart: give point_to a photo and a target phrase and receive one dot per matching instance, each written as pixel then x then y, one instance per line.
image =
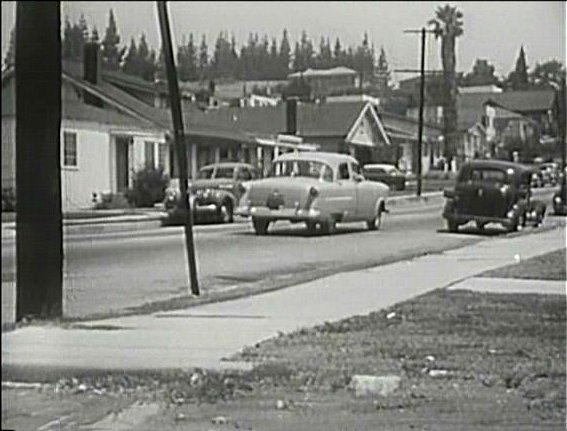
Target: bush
pixel 112 201
pixel 149 186
pixel 8 199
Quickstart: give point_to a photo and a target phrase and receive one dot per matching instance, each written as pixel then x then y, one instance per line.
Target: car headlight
pixel 557 199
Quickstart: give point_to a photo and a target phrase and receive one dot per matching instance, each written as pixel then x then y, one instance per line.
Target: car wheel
pixel 329 227
pixel 260 226
pixel 225 213
pixel 311 227
pixel 519 224
pixel 376 222
pixel 452 226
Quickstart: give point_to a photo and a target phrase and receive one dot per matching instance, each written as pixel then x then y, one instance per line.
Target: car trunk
pixel 285 191
pixel 482 199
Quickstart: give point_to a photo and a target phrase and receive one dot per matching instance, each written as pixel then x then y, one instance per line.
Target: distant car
pixel 387 174
pixel 214 194
pixel 550 173
pixel 491 191
pixel 560 199
pixel 317 188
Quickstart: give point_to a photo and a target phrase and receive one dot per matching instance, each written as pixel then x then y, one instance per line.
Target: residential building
pixel 326 82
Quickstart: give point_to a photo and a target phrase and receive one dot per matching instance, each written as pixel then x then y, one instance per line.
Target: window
pixel 244 174
pixel 343 172
pixel 162 155
pixel 69 149
pixel 356 168
pixel 302 168
pixel 226 173
pixel 149 153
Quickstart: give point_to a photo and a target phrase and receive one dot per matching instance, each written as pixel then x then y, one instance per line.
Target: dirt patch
pixel 550 266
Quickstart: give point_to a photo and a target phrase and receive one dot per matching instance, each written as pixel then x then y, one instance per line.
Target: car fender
pixel 222 195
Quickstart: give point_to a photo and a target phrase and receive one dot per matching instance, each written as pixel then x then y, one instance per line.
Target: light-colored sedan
pixel 320 189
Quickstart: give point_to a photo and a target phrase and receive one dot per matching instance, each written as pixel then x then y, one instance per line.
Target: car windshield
pixel 302 168
pixel 205 173
pixel 224 172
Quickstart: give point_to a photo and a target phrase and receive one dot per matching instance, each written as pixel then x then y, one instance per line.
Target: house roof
pixel 312 73
pixel 330 119
pixel 526 101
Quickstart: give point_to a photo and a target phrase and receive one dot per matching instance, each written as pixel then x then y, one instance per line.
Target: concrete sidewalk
pixel 202 336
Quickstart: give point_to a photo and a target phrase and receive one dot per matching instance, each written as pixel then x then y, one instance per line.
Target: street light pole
pixel 179 138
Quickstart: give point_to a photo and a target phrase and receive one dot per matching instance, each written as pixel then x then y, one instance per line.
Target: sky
pixel 492 30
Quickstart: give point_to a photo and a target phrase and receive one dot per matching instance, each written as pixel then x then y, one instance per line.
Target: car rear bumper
pixel 291 214
pixel 465 218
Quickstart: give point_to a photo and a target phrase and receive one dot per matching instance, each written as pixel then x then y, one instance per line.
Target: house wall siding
pixel 91 175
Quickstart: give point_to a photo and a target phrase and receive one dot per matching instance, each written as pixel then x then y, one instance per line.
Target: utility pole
pixel 180 143
pixel 422 73
pixel 39 232
pixel 562 122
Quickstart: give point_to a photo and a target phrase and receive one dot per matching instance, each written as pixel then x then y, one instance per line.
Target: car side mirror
pixel 358 178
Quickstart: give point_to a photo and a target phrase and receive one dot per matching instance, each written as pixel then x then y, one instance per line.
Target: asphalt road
pixel 106 272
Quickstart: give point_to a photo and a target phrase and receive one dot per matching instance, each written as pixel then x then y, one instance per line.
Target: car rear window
pixel 223 172
pixel 491 176
pixel 302 168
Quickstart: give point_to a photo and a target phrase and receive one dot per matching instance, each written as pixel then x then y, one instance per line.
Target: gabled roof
pixel 526 101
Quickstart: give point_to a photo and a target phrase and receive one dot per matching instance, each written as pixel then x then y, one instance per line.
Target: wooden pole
pixel 421 104
pixel 39 232
pixel 180 143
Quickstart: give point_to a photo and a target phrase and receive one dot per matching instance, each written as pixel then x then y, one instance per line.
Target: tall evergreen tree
pixel 382 73
pixel 94 35
pixel 67 48
pixel 131 65
pixel 10 57
pixel 111 54
pixel 284 56
pixel 518 79
pixel 338 54
pixel 203 68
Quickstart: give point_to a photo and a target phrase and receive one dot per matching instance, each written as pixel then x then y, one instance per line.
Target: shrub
pixel 148 188
pixel 112 201
pixel 8 199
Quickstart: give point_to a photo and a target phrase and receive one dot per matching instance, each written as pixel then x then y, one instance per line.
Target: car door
pixel 344 199
pixel 365 200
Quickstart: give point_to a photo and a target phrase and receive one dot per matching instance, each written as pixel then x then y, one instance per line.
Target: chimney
pixel 91 70
pixel 291 116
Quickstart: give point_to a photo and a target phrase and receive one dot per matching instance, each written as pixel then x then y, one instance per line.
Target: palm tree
pixel 448 25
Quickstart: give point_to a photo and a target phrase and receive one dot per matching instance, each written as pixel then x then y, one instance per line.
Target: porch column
pixel 194 150
pixel 217 154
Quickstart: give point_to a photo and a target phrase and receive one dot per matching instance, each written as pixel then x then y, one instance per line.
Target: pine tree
pixel 83 26
pixel 338 54
pixel 10 58
pixel 203 68
pixel 94 35
pixel 382 73
pixel 284 56
pixel 67 48
pixel 111 55
pixel 518 79
pixel 131 64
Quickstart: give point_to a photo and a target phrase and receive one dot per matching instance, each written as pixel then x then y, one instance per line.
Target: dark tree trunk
pixel 39 241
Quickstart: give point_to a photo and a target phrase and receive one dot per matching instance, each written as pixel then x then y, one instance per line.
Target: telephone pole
pixel 422 73
pixel 39 231
pixel 180 143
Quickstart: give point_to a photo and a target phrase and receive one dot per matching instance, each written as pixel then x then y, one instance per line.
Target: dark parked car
pixel 560 199
pixel 492 191
pixel 387 174
pixel 214 194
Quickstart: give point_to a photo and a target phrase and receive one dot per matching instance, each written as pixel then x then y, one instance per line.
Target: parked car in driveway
pixel 560 199
pixel 387 174
pixel 492 191
pixel 317 188
pixel 214 194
